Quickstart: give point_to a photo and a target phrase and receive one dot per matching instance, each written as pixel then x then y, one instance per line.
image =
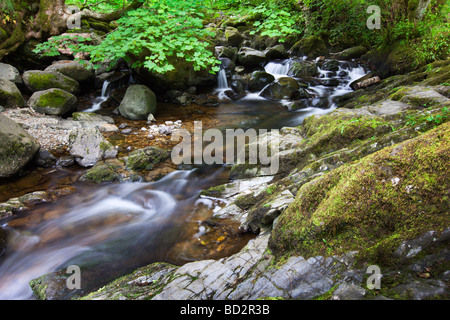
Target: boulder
pixel 139 102
pixel 10 73
pixel 352 53
pixel 259 80
pixel 276 52
pixel 146 158
pixel 88 146
pixel 282 88
pixel 53 102
pixel 17 147
pixel 37 80
pixel 234 38
pixel 311 47
pixel 251 57
pixel 10 96
pixel 303 69
pixel 73 69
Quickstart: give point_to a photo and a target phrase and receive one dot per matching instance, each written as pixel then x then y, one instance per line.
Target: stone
pixel 88 146
pixel 282 88
pixel 251 57
pixel 37 80
pixel 45 159
pixel 312 47
pixel 101 173
pixel 65 161
pixel 138 103
pixel 276 52
pixel 146 158
pixel 10 96
pixel 352 53
pixel 77 70
pixel 349 291
pixel 259 80
pixel 53 102
pixel 9 72
pixel 17 147
pixel 234 38
pixel 303 69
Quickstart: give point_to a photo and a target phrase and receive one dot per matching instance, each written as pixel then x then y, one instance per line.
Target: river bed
pixel 114 228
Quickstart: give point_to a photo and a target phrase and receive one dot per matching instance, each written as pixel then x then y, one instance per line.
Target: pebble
pixel 151 137
pixel 123 126
pixel 126 131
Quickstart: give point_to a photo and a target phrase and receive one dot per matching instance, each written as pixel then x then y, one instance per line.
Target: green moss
pixel 214 191
pixel 101 173
pixel 371 206
pixel 146 159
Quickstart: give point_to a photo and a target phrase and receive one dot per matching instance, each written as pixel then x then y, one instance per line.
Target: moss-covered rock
pixel 146 158
pixel 10 96
pixel 101 173
pixel 282 88
pixel 78 70
pixel 372 205
pixel 352 53
pixel 303 69
pixel 37 80
pixel 53 102
pixel 312 47
pixel 17 147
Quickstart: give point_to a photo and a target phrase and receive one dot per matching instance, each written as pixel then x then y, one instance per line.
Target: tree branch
pixel 107 17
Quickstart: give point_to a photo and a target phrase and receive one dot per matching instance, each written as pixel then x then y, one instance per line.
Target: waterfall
pixel 278 69
pixel 99 100
pixel 222 80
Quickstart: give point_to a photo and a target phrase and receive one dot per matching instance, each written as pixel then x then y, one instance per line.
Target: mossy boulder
pixel 352 53
pixel 88 146
pixel 138 103
pixel 282 88
pixel 372 205
pixel 77 70
pixel 258 80
pixel 101 173
pixel 303 69
pixel 53 102
pixel 251 57
pixel 37 80
pixel 17 147
pixel 233 36
pixel 312 47
pixel 146 158
pixel 10 96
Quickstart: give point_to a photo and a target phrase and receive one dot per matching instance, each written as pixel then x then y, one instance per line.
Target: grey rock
pixel 139 102
pixel 37 80
pixel 87 146
pixel 421 289
pixel 10 96
pixel 251 57
pixel 53 102
pixel 10 73
pixel 76 70
pixel 17 147
pixel 45 159
pixel 349 291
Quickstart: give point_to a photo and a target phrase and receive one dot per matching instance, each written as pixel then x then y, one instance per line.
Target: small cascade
pixel 278 69
pixel 222 82
pixel 99 100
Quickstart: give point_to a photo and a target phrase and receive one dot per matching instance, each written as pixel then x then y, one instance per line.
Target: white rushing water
pixel 97 105
pixel 121 223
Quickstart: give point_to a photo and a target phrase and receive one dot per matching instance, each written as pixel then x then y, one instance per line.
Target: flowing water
pixel 112 229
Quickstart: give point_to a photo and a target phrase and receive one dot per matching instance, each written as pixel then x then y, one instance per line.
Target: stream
pixel 112 229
